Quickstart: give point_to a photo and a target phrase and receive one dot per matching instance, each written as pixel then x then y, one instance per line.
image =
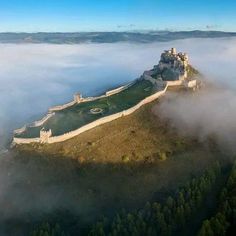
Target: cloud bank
pixel 34 77
pixel 208 112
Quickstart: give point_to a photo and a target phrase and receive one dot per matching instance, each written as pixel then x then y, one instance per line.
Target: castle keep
pixel 174 63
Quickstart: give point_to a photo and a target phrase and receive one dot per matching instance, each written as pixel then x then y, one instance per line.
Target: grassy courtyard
pixel 78 115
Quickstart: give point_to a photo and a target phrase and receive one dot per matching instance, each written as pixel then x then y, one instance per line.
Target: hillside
pixel 108 37
pixel 123 163
pixel 141 136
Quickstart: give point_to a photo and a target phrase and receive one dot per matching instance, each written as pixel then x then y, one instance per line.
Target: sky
pixel 116 15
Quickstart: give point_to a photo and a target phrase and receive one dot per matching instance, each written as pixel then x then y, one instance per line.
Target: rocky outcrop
pixel 172 66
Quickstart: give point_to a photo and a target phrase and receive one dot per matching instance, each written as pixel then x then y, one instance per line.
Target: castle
pixel 172 70
pixel 173 65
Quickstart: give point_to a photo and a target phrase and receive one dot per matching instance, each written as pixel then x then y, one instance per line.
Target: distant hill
pixel 108 37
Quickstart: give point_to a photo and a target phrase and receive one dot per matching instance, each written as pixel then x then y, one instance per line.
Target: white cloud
pixel 36 76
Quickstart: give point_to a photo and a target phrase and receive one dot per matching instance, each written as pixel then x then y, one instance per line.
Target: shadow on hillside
pixel 34 187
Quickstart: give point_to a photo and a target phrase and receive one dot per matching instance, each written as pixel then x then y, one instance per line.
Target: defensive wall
pixel 88 99
pixel 52 110
pixel 35 123
pixel 43 120
pixel 66 136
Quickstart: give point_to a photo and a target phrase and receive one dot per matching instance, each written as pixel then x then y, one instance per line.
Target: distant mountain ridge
pixel 108 37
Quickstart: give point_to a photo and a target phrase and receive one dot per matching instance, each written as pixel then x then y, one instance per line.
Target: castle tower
pixel 77 98
pixel 173 51
pixel 45 135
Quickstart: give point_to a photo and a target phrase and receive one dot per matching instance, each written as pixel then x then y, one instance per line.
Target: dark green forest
pixel 204 206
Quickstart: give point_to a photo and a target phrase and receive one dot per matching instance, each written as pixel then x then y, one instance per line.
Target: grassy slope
pixel 93 173
pixel 78 115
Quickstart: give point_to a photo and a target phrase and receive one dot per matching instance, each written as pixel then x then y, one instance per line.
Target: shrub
pixel 125 158
pixel 162 156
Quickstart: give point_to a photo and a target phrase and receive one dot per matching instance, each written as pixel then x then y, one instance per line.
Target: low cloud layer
pixel 209 112
pixel 34 77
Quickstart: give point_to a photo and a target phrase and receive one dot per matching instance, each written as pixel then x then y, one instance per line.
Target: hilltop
pixel 121 164
pixel 82 114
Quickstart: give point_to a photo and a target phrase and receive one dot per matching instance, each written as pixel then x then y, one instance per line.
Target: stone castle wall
pixel 88 99
pixel 20 130
pixel 66 136
pixel 118 90
pixel 43 120
pixel 62 107
pixel 34 124
pixel 52 110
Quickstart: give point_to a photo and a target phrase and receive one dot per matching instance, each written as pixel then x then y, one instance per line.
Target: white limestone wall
pixel 61 107
pixel 66 136
pixel 43 120
pixel 25 140
pixel 20 130
pixel 88 99
pixel 118 90
pixel 106 119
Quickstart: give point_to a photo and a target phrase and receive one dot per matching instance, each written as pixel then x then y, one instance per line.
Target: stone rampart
pixel 42 121
pixel 62 107
pixel 89 99
pixel 25 140
pixel 118 90
pixel 66 136
pixel 20 130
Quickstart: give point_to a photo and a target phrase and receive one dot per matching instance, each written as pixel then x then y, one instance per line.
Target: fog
pixel 34 77
pixel 210 112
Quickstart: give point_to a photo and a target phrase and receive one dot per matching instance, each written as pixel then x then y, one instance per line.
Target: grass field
pixel 78 115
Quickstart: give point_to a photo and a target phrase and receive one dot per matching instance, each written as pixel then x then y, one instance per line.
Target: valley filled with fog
pixel 34 77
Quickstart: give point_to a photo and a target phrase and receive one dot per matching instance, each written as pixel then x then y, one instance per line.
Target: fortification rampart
pixel 20 130
pixel 170 60
pixel 34 124
pixel 66 136
pixel 118 90
pixel 25 140
pixel 89 99
pixel 43 120
pixel 62 107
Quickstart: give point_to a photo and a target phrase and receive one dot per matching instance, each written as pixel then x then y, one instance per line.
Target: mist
pixel 34 77
pixel 208 113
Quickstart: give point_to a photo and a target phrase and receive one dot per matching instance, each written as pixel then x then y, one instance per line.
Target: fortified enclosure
pixel 71 119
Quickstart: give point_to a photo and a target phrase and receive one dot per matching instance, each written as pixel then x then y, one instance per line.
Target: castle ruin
pixel 172 70
pixel 173 65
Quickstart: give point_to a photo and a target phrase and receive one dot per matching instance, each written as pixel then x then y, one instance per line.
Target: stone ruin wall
pixel 43 120
pixel 89 99
pixel 52 110
pixel 62 107
pixel 69 135
pixel 34 124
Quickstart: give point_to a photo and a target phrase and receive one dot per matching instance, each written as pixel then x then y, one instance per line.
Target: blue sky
pixel 116 15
